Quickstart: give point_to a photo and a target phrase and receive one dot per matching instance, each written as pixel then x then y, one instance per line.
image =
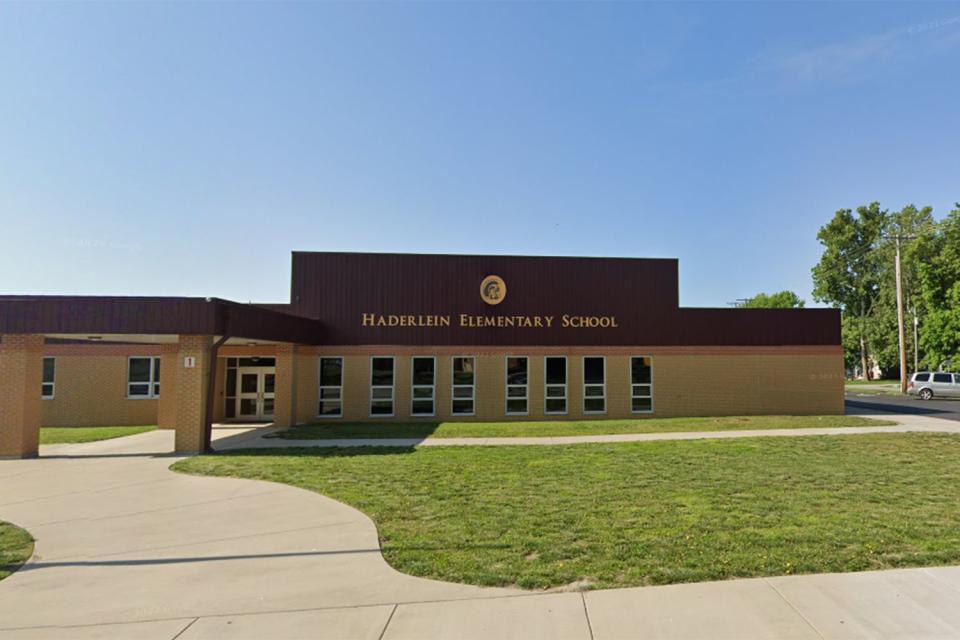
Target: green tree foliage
pixel 849 273
pixel 778 300
pixel 857 274
pixel 916 227
pixel 939 278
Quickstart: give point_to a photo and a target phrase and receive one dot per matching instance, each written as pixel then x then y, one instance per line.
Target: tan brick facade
pixel 21 373
pixel 191 386
pixel 686 382
pixel 91 387
pixel 167 405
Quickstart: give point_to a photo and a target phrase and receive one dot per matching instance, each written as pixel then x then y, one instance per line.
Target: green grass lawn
pixel 331 430
pixel 616 515
pixel 16 547
pixel 867 383
pixel 72 435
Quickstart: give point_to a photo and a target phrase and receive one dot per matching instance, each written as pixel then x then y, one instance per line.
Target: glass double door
pixel 255 393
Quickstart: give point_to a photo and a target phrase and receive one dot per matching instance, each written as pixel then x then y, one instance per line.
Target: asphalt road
pixel 946 409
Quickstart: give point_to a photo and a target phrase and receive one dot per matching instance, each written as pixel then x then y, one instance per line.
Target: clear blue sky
pixel 186 149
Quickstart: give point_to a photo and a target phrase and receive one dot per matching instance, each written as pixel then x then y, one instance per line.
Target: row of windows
pixel 143 377
pixel 463 385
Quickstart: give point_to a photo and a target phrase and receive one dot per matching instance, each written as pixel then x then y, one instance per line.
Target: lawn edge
pixel 33 548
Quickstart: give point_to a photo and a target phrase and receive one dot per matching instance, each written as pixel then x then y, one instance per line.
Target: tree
pixel 916 227
pixel 778 300
pixel 939 276
pixel 849 271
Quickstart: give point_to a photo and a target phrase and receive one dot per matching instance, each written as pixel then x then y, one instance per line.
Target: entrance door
pixel 255 393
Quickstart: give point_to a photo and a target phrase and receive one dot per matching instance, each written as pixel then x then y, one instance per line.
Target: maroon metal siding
pixel 642 294
pixel 92 315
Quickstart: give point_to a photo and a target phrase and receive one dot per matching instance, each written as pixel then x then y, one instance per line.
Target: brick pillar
pixel 167 412
pixel 21 376
pixel 191 390
pixel 285 387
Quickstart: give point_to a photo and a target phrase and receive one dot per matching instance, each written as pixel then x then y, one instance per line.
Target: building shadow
pixel 321 450
pixel 36 565
pixel 357 430
pixel 884 407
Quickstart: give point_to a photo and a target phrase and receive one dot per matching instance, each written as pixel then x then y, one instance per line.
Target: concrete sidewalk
pixel 127 548
pixel 257 439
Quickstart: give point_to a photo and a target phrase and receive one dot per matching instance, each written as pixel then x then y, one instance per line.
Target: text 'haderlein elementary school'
pixel 402 337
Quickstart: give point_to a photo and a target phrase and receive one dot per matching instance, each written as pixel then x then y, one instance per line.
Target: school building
pixel 398 337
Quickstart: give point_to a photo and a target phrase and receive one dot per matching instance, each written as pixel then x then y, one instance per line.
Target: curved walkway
pixel 126 548
pixel 255 438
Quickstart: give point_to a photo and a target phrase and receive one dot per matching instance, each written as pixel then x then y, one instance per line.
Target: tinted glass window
pixel 382 371
pixel 516 371
pixel 139 369
pixel 48 369
pixel 258 362
pixel 423 371
pixel 922 377
pixel 640 370
pixel 942 377
pixel 463 371
pixel 556 370
pixel 331 371
pixel 593 370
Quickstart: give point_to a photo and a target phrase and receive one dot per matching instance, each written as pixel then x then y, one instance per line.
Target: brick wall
pixel 686 382
pixel 91 387
pixel 21 373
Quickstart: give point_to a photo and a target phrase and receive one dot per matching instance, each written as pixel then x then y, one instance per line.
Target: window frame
pixel 565 385
pixel 153 383
pixel 633 384
pixel 584 384
pixel 321 386
pixel 414 386
pixel 506 387
pixel 52 384
pixel 392 387
pixel 454 386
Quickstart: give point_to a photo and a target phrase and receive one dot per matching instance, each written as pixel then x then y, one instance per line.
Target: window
pixel 143 378
pixel 942 377
pixel 423 381
pixel 517 384
pixel 641 384
pixel 381 386
pixel 594 385
pixel 555 393
pixel 49 371
pixel 331 388
pixel 464 385
pixel 922 377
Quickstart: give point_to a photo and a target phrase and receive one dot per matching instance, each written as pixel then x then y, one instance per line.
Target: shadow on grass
pixel 350 430
pixel 319 451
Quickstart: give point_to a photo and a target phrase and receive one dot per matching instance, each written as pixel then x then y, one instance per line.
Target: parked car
pixel 938 383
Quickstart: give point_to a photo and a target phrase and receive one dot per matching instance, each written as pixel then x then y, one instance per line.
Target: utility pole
pixel 916 321
pixel 903 349
pixel 900 328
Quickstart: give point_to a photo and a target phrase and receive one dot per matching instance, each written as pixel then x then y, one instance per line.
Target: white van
pixel 929 384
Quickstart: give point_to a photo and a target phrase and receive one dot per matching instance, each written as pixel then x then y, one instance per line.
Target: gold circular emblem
pixel 493 290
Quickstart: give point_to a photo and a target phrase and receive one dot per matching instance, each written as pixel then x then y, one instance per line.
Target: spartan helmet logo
pixel 493 290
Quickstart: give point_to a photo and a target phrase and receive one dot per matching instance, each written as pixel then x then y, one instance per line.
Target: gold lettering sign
pixel 470 321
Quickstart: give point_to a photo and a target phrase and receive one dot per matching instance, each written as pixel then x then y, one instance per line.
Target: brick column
pixel 167 411
pixel 21 376
pixel 285 387
pixel 191 390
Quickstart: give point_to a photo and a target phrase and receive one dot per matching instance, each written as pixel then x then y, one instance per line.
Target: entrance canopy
pixel 152 319
pixel 190 329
